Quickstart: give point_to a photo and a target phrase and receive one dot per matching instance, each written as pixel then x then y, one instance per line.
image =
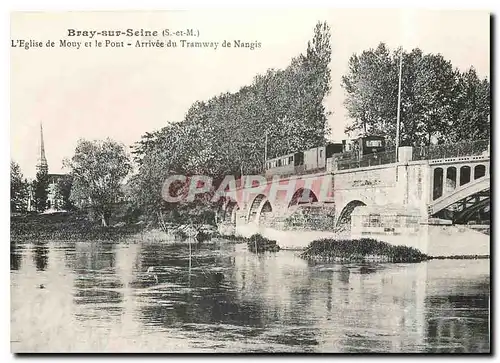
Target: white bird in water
pixel 150 271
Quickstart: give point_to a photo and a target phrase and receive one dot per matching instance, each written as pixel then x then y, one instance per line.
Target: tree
pixel 40 191
pixel 472 114
pixel 63 193
pixel 98 169
pixel 371 91
pixel 226 134
pixel 18 189
pixel 438 103
pixel 430 101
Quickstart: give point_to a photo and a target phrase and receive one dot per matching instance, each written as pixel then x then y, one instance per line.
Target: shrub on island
pixel 364 249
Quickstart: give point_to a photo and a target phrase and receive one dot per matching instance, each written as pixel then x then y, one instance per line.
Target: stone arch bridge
pixel 454 188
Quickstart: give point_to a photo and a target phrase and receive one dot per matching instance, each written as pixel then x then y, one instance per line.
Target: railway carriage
pixel 317 158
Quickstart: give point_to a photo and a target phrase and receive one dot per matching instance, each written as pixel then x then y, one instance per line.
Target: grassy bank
pixel 364 249
pixel 77 227
pixel 66 226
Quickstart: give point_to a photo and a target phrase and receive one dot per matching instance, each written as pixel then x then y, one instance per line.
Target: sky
pixel 121 93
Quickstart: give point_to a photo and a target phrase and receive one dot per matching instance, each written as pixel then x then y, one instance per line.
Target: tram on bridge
pixel 321 157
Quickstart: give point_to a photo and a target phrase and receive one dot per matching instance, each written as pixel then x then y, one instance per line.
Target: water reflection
pixel 94 256
pixel 15 256
pixel 458 314
pixel 146 297
pixel 40 256
pixel 454 331
pixel 96 293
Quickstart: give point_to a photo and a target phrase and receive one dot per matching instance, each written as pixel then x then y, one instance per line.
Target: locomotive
pixel 318 158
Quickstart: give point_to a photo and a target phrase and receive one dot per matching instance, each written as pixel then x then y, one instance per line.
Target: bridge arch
pixel 344 219
pixel 465 174
pixel 226 212
pixel 451 178
pixel 479 171
pixel 303 196
pixel 437 183
pixel 259 205
pixel 230 212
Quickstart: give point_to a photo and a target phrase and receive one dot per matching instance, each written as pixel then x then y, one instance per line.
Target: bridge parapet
pixel 465 149
pixel 460 159
pixel 387 157
pixel 457 150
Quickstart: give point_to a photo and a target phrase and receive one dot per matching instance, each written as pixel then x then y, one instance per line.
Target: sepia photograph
pixel 250 181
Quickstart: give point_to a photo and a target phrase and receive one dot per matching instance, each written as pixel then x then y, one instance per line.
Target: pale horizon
pixel 123 93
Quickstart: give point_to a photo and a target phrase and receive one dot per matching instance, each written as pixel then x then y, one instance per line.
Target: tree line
pixel 95 182
pixel 439 103
pixel 226 134
pixel 36 192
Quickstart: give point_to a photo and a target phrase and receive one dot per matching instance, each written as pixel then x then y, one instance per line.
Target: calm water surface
pixel 100 297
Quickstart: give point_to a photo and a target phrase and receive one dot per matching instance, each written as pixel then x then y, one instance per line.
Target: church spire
pixel 42 165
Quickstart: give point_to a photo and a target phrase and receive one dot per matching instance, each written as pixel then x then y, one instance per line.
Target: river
pixel 99 297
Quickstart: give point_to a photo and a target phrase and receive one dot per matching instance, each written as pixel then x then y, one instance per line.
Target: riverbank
pixel 67 227
pixel 77 227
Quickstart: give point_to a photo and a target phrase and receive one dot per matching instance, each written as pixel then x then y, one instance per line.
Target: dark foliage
pixel 438 102
pixel 63 193
pixel 361 249
pixel 258 243
pixel 18 189
pixel 226 134
pixel 98 169
pixel 41 191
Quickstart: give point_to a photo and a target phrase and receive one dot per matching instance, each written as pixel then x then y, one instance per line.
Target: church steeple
pixel 42 165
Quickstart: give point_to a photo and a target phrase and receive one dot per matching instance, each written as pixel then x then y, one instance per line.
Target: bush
pixel 361 249
pixel 258 243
